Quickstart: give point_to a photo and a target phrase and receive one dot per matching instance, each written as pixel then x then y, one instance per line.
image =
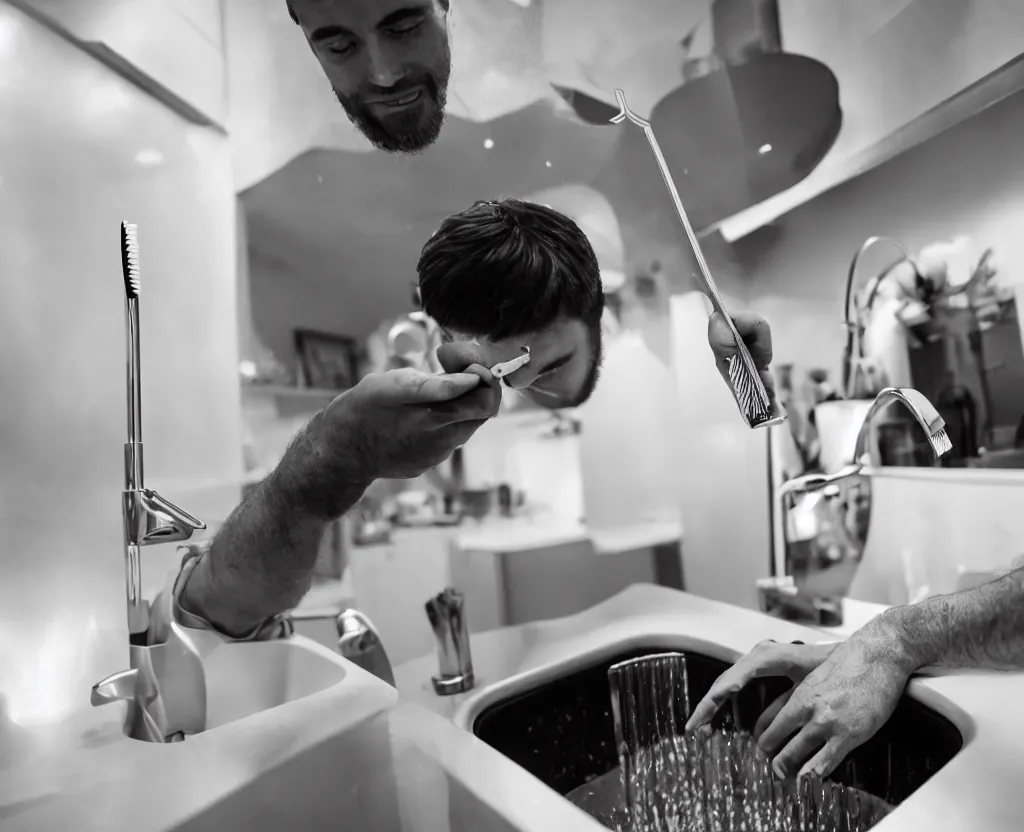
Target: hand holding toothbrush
pixel 757 335
pixel 399 423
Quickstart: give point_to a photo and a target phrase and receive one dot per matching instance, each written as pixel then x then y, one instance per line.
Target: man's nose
pixel 385 68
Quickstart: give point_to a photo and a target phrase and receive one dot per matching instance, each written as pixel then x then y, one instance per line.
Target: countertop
pixel 355 756
pixel 978 789
pixel 333 760
pixel 525 533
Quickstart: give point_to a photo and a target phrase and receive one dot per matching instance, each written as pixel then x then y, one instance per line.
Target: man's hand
pixel 839 706
pixel 844 693
pixel 400 423
pixel 769 658
pixel 757 335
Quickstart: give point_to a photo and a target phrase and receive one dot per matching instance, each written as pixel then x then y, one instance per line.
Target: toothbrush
pixel 133 469
pixel 508 367
pixel 747 387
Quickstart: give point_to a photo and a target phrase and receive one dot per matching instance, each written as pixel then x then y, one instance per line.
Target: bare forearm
pixel 262 559
pixel 979 628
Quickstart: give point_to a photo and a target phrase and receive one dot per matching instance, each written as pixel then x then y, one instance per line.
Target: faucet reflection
pixel 803 596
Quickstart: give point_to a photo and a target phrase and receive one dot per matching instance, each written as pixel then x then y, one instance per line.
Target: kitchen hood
pixel 746 122
pixel 750 121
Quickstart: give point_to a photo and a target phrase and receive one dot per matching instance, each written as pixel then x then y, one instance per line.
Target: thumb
pixel 752 328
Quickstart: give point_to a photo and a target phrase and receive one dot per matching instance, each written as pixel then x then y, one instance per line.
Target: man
pixel 388 62
pixel 394 425
pixel 509 274
pixel 497 274
pixel 845 692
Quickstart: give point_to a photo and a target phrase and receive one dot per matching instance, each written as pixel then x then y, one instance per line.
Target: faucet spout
pixel 921 409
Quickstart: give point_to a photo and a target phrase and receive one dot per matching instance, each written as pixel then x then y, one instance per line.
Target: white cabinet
pixel 392 582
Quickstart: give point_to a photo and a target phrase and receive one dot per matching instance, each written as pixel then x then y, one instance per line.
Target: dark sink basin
pixel 561 731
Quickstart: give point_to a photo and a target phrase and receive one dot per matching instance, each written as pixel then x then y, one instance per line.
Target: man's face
pixel 565 361
pixel 388 62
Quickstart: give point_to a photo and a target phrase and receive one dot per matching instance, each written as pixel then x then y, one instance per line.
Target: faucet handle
pixel 446 612
pixel 360 643
pixel 118 687
pixel 165 522
pixel 356 635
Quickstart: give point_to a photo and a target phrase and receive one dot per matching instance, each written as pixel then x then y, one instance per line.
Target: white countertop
pixel 978 789
pixel 351 757
pixel 522 534
pixel 330 761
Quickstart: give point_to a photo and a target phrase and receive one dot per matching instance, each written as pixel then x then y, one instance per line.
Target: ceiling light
pixel 8 31
pixel 765 148
pixel 547 164
pixel 106 98
pixel 149 158
pixel 488 143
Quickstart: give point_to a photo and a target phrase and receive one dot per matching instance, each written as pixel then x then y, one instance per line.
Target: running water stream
pixel 704 781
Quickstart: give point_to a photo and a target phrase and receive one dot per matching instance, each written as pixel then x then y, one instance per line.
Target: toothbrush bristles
pixel 130 258
pixel 941 442
pixel 750 391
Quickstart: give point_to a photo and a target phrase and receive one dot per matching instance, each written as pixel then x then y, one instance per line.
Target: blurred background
pixel 278 252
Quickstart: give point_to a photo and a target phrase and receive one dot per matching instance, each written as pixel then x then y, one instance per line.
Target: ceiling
pixel 355 223
pixel 351 222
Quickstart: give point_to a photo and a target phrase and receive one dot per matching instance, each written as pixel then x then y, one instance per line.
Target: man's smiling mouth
pixel 398 101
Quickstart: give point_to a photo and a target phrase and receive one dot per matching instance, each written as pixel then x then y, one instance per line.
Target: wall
pixel 79 145
pixel 178 44
pixel 971 181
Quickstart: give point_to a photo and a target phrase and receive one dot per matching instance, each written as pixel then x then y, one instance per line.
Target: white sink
pixel 248 678
pixel 245 678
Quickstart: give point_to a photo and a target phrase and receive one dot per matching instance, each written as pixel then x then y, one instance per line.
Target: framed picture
pixel 326 361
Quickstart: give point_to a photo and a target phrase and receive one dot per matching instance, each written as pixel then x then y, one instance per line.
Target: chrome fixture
pixel 360 643
pixel 855 364
pixel 446 612
pixel 776 591
pixel 147 519
pixel 781 598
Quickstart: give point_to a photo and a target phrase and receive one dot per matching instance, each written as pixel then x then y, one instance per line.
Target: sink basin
pixel 559 727
pixel 245 678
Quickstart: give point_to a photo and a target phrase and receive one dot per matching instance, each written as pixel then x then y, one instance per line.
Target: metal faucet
pixel 775 591
pixel 360 643
pixel 148 519
pixel 446 612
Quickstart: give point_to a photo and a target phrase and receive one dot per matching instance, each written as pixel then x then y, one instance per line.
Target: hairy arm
pixel 262 559
pixel 978 628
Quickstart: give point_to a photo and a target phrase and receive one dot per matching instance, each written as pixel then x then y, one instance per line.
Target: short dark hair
pixel 295 19
pixel 506 268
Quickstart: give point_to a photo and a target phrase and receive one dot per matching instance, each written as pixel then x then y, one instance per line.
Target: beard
pixel 409 131
pixel 596 342
pixel 594 374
